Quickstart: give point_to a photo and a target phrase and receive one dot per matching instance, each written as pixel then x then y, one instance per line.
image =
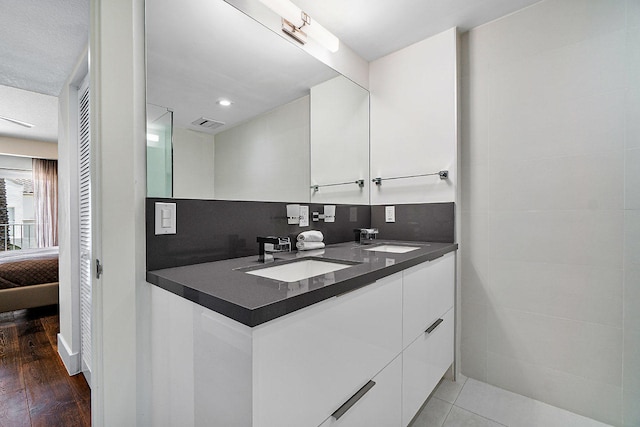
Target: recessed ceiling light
pixel 224 102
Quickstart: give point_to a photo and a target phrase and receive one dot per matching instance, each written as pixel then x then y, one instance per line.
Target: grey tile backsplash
pixel 213 230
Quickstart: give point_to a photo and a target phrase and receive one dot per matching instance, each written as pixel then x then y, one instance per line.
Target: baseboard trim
pixel 70 360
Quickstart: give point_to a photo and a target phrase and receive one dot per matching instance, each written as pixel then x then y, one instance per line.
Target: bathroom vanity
pixel 234 343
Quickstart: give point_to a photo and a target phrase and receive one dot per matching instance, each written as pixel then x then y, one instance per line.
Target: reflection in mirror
pixel 259 147
pixel 339 142
pixel 159 161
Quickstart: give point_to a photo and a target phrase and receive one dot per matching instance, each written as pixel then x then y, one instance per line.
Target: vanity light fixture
pixel 292 15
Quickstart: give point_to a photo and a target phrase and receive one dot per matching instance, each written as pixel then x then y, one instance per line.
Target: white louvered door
pixel 84 163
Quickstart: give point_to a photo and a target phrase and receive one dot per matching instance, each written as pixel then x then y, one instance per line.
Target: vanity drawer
pixel 424 363
pixel 380 406
pixel 307 364
pixel 428 293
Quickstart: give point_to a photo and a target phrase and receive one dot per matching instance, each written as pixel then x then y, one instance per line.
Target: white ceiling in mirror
pixel 200 51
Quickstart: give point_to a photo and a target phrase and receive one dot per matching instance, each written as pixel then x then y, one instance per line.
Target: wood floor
pixel 35 388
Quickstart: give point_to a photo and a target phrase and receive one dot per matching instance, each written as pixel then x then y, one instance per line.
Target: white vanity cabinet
pixel 428 297
pixel 381 404
pixel 307 364
pixel 347 361
pixel 424 362
pixel 428 292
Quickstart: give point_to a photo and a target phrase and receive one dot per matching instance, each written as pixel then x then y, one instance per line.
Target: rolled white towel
pixel 307 246
pixel 311 236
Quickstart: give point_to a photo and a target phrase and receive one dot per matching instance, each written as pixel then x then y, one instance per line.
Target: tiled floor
pixel 472 403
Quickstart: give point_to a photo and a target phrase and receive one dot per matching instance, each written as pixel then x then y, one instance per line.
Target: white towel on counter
pixel 307 246
pixel 311 236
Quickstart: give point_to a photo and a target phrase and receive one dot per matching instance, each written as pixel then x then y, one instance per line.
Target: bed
pixel 28 278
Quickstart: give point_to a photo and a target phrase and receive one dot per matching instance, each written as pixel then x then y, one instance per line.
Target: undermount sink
pixel 298 270
pixel 395 249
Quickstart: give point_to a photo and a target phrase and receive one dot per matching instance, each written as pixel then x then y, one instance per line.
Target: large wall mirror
pixel 295 130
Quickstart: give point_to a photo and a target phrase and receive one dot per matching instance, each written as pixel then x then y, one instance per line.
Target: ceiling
pixel 40 43
pixel 31 107
pixel 376 28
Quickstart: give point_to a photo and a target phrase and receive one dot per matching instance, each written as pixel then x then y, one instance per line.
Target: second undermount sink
pixel 299 270
pixel 395 249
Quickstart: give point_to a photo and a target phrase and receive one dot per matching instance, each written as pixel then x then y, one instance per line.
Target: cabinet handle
pixel 352 400
pixel 434 325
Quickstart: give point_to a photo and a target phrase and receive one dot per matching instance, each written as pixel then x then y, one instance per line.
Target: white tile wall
pixel 632 107
pixel 631 379
pixel 550 152
pixel 582 125
pixel 550 25
pixel 587 293
pixel 632 237
pixel 633 56
pixel 572 237
pixel 633 14
pixel 473 340
pixel 515 410
pixel 632 179
pixel 554 343
pixel 558 183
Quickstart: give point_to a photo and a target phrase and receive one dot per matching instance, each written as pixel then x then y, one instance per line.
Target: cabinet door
pixel 428 292
pixel 309 363
pixel 424 363
pixel 380 406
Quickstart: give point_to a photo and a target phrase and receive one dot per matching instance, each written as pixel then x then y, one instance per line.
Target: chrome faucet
pixel 365 236
pixel 271 244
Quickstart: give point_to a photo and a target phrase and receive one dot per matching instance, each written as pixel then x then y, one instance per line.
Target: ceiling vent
pixel 206 125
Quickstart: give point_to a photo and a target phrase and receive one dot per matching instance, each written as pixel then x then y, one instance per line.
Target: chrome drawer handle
pixel 434 325
pixel 352 400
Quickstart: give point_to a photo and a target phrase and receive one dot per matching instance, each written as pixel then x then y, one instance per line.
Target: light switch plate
pixel 165 218
pixel 390 213
pixel 304 216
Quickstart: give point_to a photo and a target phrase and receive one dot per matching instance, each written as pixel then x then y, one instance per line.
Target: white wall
pixel 121 298
pixel 68 221
pixel 266 158
pixel 193 163
pixel 550 95
pixel 414 121
pixel 631 252
pixel 28 148
pixel 340 141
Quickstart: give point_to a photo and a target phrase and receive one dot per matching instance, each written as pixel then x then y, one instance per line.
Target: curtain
pixel 45 200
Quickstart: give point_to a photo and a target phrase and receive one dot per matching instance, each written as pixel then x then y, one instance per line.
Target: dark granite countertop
pixel 225 287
